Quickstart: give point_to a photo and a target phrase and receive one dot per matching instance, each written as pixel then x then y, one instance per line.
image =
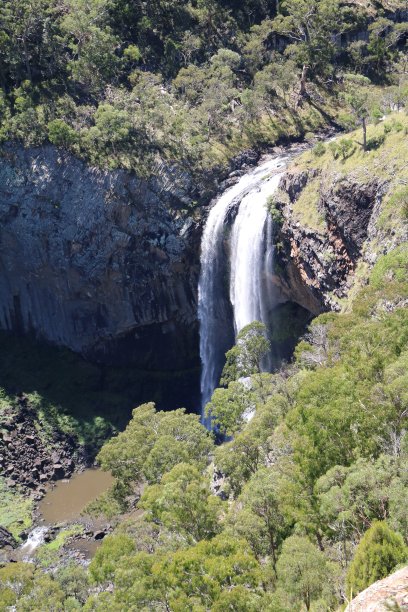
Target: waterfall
pixel 251 248
pixel 34 540
pixel 250 257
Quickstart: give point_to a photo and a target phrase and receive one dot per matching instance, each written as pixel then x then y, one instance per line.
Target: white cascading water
pixel 251 246
pixel 35 539
pixel 250 259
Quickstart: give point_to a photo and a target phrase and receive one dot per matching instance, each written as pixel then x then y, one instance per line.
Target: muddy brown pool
pixel 68 498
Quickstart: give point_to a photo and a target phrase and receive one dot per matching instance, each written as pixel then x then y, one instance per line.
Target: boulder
pixel 57 471
pixel 6 538
pixel 391 593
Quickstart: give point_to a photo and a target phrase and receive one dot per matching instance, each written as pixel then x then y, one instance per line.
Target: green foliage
pixel 182 502
pixel 245 358
pixel 379 551
pixel 74 582
pixel 228 407
pixel 375 142
pixel 303 570
pixel 197 577
pixel 133 53
pixel 345 147
pixel 259 516
pixel 153 443
pixel 390 268
pixel 352 498
pixel 15 509
pixel 323 458
pixel 105 561
pixel 334 149
pixel 307 25
pixel 16 580
pixel 217 77
pixel 129 84
pixel 60 133
pixel 274 211
pixel 319 149
pixel 45 594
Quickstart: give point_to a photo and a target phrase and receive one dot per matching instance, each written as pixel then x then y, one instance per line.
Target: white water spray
pixel 35 539
pixel 250 258
pixel 251 249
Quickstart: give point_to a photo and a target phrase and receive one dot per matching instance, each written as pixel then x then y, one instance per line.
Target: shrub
pixel 376 115
pixel 346 147
pixel 133 53
pixel 303 570
pixel 319 149
pixel 60 133
pixel 374 142
pixel 380 550
pixel 274 211
pixel 393 126
pixel 334 149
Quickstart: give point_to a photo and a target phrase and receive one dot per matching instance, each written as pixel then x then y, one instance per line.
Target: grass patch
pixel 306 209
pixel 383 162
pixel 47 555
pixel 15 510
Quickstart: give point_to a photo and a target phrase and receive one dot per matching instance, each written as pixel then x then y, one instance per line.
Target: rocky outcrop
pixel 104 263
pixel 384 595
pixel 107 263
pixel 32 459
pixel 316 265
pixel 6 539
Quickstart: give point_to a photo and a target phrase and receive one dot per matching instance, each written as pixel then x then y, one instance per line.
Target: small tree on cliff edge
pixel 359 102
pixel 380 550
pixel 245 358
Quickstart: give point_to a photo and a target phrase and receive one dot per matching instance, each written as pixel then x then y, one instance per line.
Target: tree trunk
pixel 26 60
pixel 319 541
pixel 303 78
pixel 307 600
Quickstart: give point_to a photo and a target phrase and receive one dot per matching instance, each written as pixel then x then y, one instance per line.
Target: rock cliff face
pixel 384 595
pixel 316 264
pixel 107 264
pixel 104 263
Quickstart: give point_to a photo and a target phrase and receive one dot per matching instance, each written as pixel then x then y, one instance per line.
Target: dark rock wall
pixel 314 267
pixel 107 264
pixel 100 262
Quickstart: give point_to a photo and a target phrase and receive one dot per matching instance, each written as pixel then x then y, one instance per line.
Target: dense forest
pixel 124 83
pixel 303 507
pixel 297 499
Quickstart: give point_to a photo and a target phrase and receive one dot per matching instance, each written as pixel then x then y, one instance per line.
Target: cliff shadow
pixel 85 400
